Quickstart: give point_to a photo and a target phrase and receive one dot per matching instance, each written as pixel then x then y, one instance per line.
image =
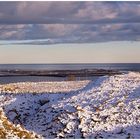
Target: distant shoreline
pixel 67 67
pixel 59 73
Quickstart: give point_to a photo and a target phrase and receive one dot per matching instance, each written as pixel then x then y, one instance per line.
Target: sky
pixel 70 32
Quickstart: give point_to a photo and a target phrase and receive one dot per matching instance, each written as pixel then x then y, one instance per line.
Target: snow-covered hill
pixel 106 108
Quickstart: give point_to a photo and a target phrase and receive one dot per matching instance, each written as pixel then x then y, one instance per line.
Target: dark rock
pixel 43 102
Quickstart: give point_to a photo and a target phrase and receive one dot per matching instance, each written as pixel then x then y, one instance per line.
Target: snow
pixel 9 130
pixel 41 87
pixel 106 108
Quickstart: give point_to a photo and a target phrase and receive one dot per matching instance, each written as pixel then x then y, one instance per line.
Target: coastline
pixel 59 73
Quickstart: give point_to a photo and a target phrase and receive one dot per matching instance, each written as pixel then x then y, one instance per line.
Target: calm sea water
pixel 5 80
pixel 118 66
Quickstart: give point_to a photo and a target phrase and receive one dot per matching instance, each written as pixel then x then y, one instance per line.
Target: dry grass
pixel 9 130
pixel 10 88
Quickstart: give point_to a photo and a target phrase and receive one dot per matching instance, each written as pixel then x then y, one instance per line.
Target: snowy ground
pixel 106 108
pixel 43 87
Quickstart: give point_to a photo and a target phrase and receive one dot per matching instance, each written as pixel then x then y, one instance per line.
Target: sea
pixel 108 66
pixel 116 66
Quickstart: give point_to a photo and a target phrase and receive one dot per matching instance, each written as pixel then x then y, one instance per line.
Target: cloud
pixel 66 22
pixel 68 12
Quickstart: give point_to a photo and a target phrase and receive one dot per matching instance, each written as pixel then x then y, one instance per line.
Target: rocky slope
pixel 106 108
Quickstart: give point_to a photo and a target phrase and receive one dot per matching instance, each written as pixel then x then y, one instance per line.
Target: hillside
pixel 106 108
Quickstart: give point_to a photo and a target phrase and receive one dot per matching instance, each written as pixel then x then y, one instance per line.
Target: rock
pixel 61 135
pixel 43 102
pixel 79 108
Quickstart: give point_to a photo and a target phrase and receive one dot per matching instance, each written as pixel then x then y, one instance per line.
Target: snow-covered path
pixel 107 108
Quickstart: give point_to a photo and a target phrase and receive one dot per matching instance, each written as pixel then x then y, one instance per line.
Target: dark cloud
pixel 64 22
